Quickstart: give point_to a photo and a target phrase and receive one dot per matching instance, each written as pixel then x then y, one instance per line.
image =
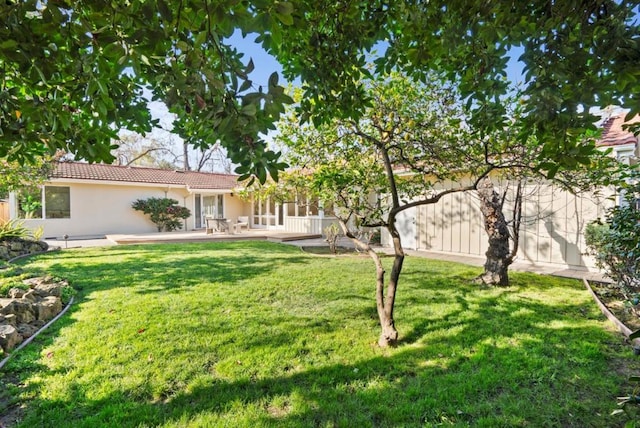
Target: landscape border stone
pixel 626 331
pixel 25 331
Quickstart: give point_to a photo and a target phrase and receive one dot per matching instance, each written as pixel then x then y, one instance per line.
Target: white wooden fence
pixel 552 230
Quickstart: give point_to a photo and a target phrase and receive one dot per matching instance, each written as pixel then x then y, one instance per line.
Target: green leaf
pixel 249 110
pixel 273 79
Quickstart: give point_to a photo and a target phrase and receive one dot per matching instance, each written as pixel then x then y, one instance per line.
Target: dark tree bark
pixel 499 256
pixel 185 151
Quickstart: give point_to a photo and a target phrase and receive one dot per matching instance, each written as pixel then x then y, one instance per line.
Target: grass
pixel 261 334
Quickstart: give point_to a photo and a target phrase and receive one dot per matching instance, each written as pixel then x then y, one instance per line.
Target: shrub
pixel 14 229
pixel 165 213
pixel 5 286
pixel 616 244
pixel 332 233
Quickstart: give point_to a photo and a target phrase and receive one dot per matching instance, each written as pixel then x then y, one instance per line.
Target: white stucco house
pixel 91 200
pixel 83 200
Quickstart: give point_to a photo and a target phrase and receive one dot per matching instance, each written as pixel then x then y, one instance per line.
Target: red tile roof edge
pixel 130 174
pixel 614 134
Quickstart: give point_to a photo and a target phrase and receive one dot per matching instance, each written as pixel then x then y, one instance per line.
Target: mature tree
pixel 501 205
pixel 408 147
pixel 73 71
pixel 412 146
pixel 520 162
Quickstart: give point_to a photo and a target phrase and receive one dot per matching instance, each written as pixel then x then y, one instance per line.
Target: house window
pixel 57 202
pixel 50 202
pixel 30 204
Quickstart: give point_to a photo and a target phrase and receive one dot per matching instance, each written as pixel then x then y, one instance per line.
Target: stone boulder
pixel 9 336
pixel 16 247
pixel 21 308
pixel 47 308
pixel 16 293
pixel 24 312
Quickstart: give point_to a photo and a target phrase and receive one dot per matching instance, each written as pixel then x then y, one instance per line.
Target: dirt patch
pixel 625 306
pixel 326 251
pixel 11 411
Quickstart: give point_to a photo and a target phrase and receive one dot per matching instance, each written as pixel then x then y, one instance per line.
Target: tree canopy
pixel 73 72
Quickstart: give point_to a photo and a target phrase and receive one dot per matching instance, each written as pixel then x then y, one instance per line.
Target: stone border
pixel 34 335
pixel 28 340
pixel 626 331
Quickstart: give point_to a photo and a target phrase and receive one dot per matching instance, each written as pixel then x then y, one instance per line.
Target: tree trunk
pixel 496 267
pixel 185 152
pixel 384 305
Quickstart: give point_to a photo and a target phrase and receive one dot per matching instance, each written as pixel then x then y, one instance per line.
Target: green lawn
pixel 259 334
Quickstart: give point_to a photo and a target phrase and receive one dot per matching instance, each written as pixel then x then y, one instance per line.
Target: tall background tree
pixel 412 146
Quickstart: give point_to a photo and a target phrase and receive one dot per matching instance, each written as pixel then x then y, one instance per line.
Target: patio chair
pixel 217 225
pixel 243 221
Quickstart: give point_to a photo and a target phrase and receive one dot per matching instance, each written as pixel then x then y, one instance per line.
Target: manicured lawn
pixel 260 334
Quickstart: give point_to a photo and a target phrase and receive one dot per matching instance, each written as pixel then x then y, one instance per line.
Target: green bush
pixel 165 213
pixel 14 229
pixel 616 244
pixel 5 286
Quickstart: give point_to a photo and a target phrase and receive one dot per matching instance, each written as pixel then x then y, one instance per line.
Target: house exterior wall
pixel 552 230
pixel 98 209
pixel 235 207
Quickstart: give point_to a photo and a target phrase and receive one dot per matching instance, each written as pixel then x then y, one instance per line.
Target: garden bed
pixel 625 308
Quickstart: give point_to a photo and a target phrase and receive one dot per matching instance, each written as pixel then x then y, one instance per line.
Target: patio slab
pixel 201 236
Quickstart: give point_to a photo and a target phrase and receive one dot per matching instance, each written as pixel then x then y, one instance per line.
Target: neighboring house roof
pixel 129 174
pixel 614 134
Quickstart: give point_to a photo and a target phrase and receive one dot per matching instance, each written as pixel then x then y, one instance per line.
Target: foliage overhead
pixel 73 74
pixel 73 71
pixel 576 55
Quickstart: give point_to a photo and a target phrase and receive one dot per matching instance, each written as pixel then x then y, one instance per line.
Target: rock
pixel 26 330
pixel 10 319
pixel 30 295
pixel 16 293
pixel 52 289
pixel 22 315
pixel 9 337
pixel 47 308
pixel 22 310
pixel 16 246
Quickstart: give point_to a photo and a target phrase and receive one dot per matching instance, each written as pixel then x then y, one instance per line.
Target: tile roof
pixel 613 133
pixel 102 172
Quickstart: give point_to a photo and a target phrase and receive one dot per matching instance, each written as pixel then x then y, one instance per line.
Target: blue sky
pixel 266 64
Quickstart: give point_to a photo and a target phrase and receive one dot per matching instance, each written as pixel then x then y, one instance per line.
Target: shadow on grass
pixel 517 384
pixel 177 265
pixel 469 357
